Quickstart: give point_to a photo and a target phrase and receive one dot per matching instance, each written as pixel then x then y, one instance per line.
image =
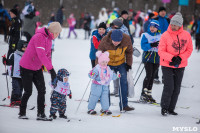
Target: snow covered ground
pixel 73 54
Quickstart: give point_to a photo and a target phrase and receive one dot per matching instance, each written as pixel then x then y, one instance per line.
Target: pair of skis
pixel 156 104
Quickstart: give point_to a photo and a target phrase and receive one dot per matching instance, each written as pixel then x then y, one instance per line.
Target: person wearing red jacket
pixel 175 48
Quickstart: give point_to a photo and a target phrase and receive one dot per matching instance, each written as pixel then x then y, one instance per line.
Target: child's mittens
pixel 70 96
pixel 118 75
pixel 92 74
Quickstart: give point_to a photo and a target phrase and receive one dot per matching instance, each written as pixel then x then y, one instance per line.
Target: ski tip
pixel 32 108
pixel 4 99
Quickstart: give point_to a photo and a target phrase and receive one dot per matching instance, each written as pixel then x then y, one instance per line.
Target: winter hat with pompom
pixel 102 56
pixel 177 19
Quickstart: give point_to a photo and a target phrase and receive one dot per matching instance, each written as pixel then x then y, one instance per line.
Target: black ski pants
pixel 150 69
pixel 172 85
pixel 29 77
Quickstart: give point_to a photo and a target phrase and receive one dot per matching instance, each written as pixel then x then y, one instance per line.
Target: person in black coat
pixel 14 33
pixel 59 16
pixel 87 21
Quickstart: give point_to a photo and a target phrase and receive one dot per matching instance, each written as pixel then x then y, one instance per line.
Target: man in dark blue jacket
pixel 164 23
pixel 59 16
pixel 196 26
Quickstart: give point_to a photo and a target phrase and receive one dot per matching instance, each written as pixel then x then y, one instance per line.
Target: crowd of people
pixel 164 43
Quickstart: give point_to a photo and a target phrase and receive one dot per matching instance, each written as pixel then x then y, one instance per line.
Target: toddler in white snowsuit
pixel 61 90
pixel 101 75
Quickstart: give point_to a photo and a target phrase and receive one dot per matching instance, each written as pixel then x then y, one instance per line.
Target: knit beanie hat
pixel 177 19
pixel 55 27
pixel 155 23
pixel 124 12
pixel 14 11
pixel 102 25
pixel 102 56
pixel 161 9
pixel 117 35
pixel 118 22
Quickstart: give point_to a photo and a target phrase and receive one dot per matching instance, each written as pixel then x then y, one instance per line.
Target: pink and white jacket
pixel 175 43
pixel 38 52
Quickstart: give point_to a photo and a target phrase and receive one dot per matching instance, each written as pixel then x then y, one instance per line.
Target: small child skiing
pixel 101 75
pixel 97 35
pixel 150 58
pixel 58 97
pixel 13 60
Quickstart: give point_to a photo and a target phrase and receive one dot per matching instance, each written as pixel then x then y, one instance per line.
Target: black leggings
pixel 29 77
pixel 150 68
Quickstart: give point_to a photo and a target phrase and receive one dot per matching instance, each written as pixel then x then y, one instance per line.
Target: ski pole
pixel 143 69
pixel 138 70
pixel 6 82
pixel 82 97
pixel 120 91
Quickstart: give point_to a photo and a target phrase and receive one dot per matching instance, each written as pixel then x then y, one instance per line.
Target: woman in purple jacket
pixel 38 53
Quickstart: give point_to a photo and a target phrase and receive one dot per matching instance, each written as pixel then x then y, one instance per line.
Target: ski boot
pixel 92 112
pixel 151 99
pixel 144 96
pixel 63 116
pixel 107 112
pixel 52 116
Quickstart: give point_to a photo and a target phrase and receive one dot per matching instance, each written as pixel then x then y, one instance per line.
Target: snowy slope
pixel 74 56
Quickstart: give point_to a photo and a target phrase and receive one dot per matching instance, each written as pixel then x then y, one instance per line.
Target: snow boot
pixel 156 81
pixel 63 116
pixel 92 112
pixel 164 112
pixel 23 116
pixel 172 113
pixel 43 117
pixel 52 116
pixel 127 108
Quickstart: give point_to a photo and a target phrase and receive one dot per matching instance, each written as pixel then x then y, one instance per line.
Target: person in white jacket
pixel 103 16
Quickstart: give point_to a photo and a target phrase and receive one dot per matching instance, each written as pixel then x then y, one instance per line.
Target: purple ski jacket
pixel 38 52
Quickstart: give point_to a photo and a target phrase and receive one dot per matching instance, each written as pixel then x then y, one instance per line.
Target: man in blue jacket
pixel 164 23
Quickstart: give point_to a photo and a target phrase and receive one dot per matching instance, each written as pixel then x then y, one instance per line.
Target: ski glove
pixel 70 96
pixel 128 67
pixel 53 74
pixel 155 44
pixel 176 61
pixel 4 60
